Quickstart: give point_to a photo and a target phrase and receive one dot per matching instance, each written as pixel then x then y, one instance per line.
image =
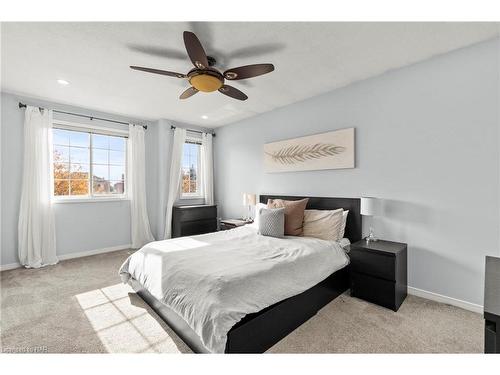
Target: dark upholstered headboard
pixel 353 229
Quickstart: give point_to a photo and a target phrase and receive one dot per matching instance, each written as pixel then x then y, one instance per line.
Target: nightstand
pixel 379 272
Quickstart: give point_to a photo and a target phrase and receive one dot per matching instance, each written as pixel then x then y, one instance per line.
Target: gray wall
pixel 427 142
pixel 79 226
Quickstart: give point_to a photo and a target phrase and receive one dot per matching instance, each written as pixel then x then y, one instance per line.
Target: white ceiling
pixel 310 59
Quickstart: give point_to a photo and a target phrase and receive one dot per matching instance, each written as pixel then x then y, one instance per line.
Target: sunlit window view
pixel 87 164
pixel 190 168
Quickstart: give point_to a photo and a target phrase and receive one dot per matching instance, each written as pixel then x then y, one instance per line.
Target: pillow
pixel 323 224
pixel 272 222
pixel 344 222
pixel 256 219
pixel 294 214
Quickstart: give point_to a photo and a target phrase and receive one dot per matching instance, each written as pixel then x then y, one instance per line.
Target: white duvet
pixel 213 280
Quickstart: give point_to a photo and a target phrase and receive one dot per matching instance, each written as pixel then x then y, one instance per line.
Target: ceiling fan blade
pixel 188 93
pixel 158 71
pixel 233 92
pixel 195 50
pixel 248 71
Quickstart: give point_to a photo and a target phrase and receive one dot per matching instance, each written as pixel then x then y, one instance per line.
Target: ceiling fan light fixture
pixel 205 82
pixel 205 77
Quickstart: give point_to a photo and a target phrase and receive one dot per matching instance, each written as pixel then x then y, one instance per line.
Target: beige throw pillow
pixel 294 214
pixel 323 224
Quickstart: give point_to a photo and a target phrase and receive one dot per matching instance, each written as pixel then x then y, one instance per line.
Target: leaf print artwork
pixel 301 153
pixel 330 150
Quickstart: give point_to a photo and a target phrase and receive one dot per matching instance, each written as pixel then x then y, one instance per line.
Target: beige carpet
pixel 80 306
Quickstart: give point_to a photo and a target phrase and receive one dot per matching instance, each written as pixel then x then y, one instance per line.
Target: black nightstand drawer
pixel 372 289
pixel 373 264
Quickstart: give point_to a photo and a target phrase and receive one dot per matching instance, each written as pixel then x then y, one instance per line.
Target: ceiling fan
pixel 204 77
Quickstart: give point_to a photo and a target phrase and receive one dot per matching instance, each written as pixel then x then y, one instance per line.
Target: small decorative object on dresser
pixel 192 220
pixel 379 272
pixel 492 305
pixel 370 207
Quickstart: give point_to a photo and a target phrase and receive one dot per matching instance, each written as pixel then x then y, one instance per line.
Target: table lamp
pixel 370 207
pixel 249 200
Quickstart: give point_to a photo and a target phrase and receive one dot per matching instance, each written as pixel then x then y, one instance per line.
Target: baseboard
pixel 445 299
pixel 11 266
pixel 93 252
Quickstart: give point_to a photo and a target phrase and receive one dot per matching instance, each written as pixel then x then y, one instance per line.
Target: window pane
pixel 99 156
pixel 116 173
pixel 61 153
pixel 61 171
pixel 79 155
pixel 60 137
pixel 79 139
pixel 79 171
pixel 100 141
pixel 117 187
pixel 71 155
pixel 79 187
pixel 100 171
pixel 117 143
pixel 61 187
pixel 117 157
pixel 100 186
pixel 190 168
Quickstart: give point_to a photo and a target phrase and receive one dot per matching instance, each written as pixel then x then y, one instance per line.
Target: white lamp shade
pixel 249 199
pixel 369 206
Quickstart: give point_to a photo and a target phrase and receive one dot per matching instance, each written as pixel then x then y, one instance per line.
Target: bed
pixel 231 291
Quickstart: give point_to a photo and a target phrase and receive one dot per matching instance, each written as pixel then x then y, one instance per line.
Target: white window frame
pixel 91 198
pixel 199 195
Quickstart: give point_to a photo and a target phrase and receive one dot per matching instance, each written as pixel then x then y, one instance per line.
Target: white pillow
pixel 256 219
pixel 344 221
pixel 323 224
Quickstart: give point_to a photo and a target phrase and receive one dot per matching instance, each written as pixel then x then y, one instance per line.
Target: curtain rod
pixel 193 131
pixel 22 105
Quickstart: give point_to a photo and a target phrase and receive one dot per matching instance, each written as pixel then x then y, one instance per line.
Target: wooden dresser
pixel 192 220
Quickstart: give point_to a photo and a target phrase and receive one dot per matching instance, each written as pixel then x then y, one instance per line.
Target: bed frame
pixel 257 332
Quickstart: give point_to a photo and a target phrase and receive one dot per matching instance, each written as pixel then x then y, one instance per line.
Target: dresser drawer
pixel 379 291
pixel 191 228
pixel 374 264
pixel 195 213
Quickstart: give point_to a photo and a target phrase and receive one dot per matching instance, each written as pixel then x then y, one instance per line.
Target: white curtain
pixel 136 176
pixel 36 228
pixel 207 167
pixel 175 177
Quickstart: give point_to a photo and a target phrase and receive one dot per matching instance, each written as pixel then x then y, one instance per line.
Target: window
pixel 88 164
pixel 191 185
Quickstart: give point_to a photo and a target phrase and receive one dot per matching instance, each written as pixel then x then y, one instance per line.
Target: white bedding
pixel 213 280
